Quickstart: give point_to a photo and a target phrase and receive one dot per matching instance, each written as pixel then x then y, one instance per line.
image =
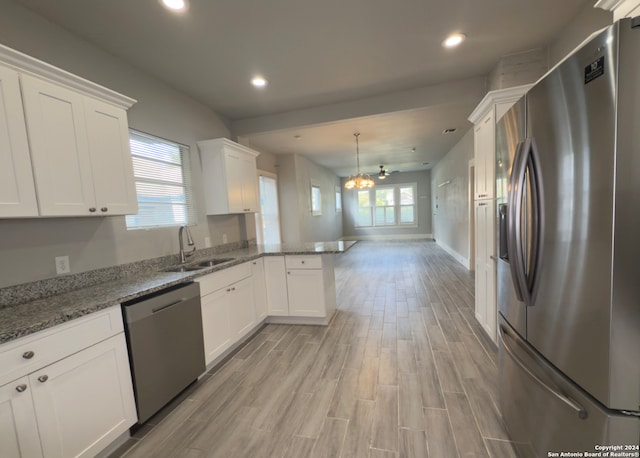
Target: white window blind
pixel 163 183
pixel 387 206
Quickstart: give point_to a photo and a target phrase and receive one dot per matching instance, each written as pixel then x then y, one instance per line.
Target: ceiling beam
pixel 472 89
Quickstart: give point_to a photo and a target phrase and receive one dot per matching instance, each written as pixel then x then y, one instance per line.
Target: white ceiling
pixel 318 54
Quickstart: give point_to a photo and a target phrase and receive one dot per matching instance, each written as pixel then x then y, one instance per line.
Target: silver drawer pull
pixel 92 209
pixel 28 354
pixel 104 209
pixel 21 388
pixel 43 378
pixel 302 262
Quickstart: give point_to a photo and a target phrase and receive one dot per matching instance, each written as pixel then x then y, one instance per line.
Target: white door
pixel 306 292
pixel 216 325
pixel 17 190
pixel 84 402
pixel 18 428
pixel 268 218
pixel 113 180
pixel 59 148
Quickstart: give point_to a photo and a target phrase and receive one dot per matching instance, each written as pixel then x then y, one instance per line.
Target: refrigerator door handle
pixel 537 202
pixel 514 224
pixel 582 413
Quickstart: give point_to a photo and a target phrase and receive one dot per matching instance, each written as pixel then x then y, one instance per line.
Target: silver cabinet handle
pixel 233 289
pixel 493 258
pixel 228 290
pixel 104 209
pixel 92 209
pixel 28 354
pixel 43 378
pixel 21 388
pixel 302 262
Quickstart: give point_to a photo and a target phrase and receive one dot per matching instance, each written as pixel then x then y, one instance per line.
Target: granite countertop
pixel 29 317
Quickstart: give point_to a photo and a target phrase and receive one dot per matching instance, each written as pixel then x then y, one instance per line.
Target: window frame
pixel 132 222
pixel 397 207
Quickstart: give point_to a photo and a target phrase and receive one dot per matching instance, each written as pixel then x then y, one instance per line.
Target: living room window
pixel 387 206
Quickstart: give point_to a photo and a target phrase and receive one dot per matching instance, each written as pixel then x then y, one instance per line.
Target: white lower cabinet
pixel 275 276
pixel 243 309
pixel 259 288
pixel 228 308
pixel 18 428
pixel 76 406
pixel 306 292
pixel 215 324
pixel 485 276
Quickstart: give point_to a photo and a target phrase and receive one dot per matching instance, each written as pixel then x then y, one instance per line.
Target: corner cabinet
pixel 494 105
pixel 229 176
pixel 65 143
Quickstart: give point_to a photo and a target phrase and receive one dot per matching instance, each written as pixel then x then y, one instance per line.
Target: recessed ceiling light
pixel 454 40
pixel 175 5
pixel 259 81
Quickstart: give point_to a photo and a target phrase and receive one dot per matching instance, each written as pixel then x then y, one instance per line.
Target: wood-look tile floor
pixel 403 370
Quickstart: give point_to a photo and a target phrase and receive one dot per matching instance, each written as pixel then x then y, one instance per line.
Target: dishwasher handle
pixel 146 306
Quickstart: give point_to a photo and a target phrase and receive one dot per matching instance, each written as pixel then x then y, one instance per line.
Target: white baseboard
pixel 457 256
pixel 388 237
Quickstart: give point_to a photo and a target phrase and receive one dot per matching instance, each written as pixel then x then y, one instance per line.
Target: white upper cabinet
pixel 64 146
pixel 17 191
pixel 620 8
pixel 484 146
pixel 113 180
pixel 229 176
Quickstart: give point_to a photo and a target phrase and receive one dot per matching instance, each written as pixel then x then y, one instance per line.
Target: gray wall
pixel 451 201
pixel 587 21
pixel 296 174
pixel 28 247
pixel 423 229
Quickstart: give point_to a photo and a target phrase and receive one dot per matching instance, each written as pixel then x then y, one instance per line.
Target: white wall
pixel 423 209
pixel 28 247
pixel 451 201
pixel 296 174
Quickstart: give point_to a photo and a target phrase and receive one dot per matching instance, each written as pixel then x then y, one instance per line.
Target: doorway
pixel 268 218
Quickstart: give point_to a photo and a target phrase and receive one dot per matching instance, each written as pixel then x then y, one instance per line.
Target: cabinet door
pixel 484 147
pixel 235 170
pixel 242 312
pixel 17 190
pixel 84 402
pixel 306 292
pixel 486 305
pixel 59 148
pixel 216 326
pixel 18 428
pixel 259 289
pixel 108 136
pixel 249 184
pixel 276 282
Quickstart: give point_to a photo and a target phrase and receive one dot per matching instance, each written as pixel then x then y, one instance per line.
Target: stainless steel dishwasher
pixel 166 349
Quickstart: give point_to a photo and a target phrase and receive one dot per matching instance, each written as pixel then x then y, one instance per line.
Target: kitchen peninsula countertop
pixel 23 319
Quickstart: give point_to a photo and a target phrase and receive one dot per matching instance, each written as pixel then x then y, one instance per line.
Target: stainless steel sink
pixel 213 262
pixel 183 268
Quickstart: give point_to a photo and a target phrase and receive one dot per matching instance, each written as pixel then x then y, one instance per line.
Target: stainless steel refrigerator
pixel 568 200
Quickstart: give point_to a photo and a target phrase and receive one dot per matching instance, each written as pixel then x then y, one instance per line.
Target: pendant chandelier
pixel 359 181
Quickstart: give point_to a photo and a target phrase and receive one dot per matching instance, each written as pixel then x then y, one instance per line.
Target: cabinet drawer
pixel 217 280
pixel 35 351
pixel 303 262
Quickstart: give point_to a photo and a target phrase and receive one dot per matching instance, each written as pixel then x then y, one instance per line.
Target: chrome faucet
pixel 183 255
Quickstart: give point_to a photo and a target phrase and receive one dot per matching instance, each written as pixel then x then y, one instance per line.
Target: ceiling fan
pixel 384 173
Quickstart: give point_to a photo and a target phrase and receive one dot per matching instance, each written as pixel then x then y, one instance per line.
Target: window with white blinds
pixel 163 183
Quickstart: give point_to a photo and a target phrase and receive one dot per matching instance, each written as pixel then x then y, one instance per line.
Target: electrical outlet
pixel 224 238
pixel 207 242
pixel 62 265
